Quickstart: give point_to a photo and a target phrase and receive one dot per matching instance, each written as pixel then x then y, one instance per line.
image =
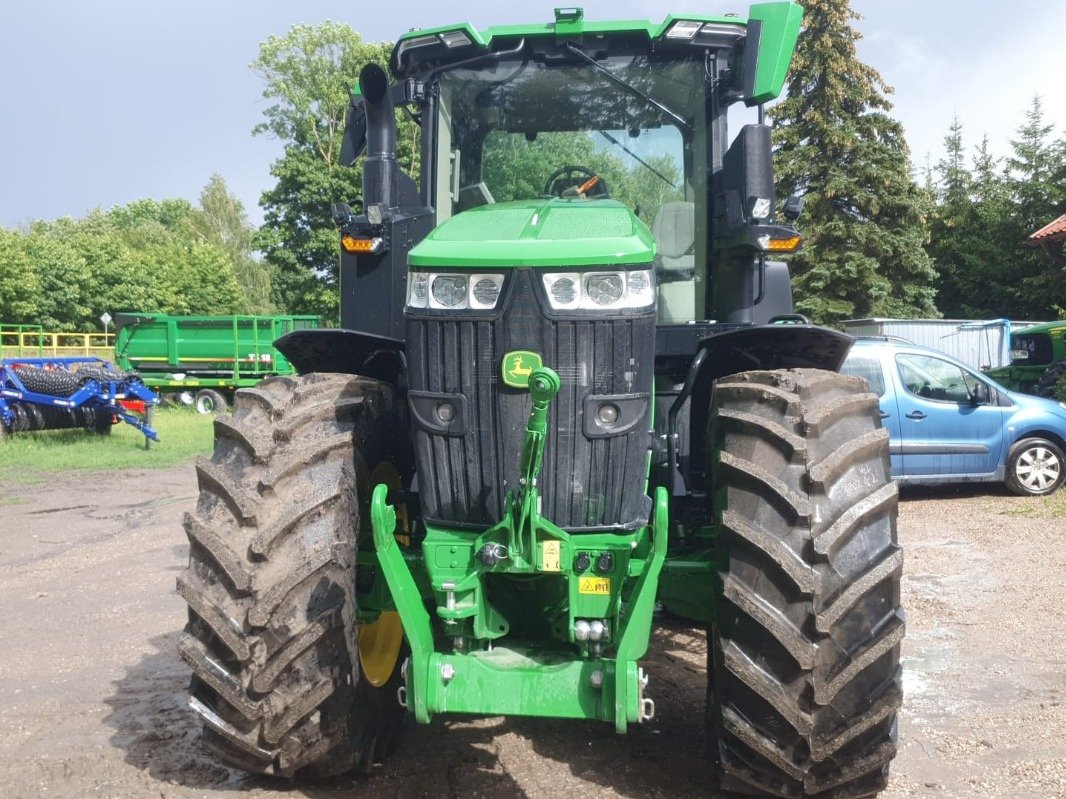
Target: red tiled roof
pixel 1051 231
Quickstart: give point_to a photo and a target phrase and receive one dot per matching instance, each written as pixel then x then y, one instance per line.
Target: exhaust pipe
pixel 381 173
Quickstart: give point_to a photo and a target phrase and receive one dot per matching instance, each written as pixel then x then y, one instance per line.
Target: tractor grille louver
pixel 586 482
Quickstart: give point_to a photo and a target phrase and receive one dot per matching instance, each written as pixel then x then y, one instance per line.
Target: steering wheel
pixel 573 180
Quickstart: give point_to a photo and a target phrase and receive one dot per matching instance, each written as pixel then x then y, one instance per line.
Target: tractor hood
pixel 557 232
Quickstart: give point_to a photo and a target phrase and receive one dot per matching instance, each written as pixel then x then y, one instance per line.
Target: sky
pixel 109 101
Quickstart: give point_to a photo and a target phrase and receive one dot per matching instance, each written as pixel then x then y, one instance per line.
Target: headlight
pixel 598 291
pixel 418 290
pixel 453 292
pixel 449 291
pixel 604 289
pixel 486 291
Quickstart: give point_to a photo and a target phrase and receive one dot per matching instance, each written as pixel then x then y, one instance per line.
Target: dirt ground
pixel 92 693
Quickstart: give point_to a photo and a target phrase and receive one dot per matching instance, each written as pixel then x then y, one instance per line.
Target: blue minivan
pixel 948 423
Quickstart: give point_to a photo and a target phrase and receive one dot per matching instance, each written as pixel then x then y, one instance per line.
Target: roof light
pixel 453 39
pixel 724 28
pixel 684 29
pixel 419 41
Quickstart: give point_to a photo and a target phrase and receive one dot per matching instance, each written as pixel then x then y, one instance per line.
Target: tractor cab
pixel 631 112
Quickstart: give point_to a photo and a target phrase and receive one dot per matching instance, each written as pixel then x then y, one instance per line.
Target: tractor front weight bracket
pixel 609 579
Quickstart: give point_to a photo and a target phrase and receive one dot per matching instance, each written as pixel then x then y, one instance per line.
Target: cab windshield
pixel 524 130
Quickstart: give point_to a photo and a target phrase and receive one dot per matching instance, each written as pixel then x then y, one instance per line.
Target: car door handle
pixel 883 415
pixel 915 415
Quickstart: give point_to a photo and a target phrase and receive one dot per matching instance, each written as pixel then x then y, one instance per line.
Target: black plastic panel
pixel 586 482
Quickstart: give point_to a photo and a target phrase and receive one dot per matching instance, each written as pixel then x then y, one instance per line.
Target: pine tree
pixel 1036 180
pixel 865 220
pixel 951 228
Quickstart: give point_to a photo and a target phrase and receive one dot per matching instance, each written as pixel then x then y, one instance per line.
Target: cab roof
pixel 778 24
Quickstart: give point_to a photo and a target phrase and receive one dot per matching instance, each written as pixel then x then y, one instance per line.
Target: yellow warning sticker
pixel 549 556
pixel 594 585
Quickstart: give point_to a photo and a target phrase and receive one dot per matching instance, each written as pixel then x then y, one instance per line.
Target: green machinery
pixel 202 360
pixel 569 393
pixel 1037 360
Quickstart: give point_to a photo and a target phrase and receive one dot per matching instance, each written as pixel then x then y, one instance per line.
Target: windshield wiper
pixel 627 85
pixel 640 160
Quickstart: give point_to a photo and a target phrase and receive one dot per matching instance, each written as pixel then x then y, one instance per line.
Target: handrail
pixel 27 340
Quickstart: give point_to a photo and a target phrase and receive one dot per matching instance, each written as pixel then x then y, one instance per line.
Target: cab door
pixel 943 431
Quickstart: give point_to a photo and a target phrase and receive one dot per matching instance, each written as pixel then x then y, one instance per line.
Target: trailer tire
pixel 209 401
pixel 102 421
pixel 1049 382
pixel 805 643
pixel 271 582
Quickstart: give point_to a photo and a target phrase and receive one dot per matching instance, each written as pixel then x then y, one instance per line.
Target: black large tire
pixel 271 637
pixel 1048 384
pixel 804 656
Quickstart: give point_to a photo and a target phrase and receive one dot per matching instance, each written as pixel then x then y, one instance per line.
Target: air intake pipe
pixel 380 171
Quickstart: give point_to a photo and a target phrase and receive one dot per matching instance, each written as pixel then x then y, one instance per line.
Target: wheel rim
pixel 380 640
pixel 205 404
pixel 379 647
pixel 1038 468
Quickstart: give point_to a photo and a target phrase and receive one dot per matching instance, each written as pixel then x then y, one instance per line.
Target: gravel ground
pixel 92 694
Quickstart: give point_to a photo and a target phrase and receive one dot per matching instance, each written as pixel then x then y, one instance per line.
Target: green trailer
pixel 202 360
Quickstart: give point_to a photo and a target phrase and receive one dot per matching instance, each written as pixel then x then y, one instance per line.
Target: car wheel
pixel 1035 467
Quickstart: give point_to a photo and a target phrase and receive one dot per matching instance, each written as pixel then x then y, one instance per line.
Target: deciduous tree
pixel 309 74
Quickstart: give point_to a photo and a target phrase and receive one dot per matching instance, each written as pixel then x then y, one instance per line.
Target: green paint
pixel 405 594
pixel 780 30
pixel 556 232
pixel 517 366
pixel 554 674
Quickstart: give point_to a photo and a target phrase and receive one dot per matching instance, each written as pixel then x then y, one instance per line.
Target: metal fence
pixel 28 341
pixel 982 344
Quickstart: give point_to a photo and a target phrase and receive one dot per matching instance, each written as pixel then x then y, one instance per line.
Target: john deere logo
pixel 517 366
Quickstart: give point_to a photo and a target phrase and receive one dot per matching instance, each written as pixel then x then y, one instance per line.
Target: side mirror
pixel 341 212
pixel 793 208
pixel 982 395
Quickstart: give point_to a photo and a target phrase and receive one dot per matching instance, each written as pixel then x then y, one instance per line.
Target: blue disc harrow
pixel 65 393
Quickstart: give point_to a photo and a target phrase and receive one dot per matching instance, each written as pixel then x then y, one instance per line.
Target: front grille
pixel 586 482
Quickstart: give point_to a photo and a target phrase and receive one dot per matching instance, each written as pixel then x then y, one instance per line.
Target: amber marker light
pixel 789 244
pixel 361 246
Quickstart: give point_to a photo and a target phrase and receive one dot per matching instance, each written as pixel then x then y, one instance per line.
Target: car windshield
pixel 524 130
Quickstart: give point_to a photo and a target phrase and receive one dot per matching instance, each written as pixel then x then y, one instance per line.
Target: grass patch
pixel 183 433
pixel 1053 506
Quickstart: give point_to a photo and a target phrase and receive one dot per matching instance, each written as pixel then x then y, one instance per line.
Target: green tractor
pixel 569 396
pixel 1037 361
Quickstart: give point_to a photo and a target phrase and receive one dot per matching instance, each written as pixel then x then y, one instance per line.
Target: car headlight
pixel 600 290
pixel 453 292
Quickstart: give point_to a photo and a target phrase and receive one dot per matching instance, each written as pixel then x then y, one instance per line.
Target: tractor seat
pixel 674 229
